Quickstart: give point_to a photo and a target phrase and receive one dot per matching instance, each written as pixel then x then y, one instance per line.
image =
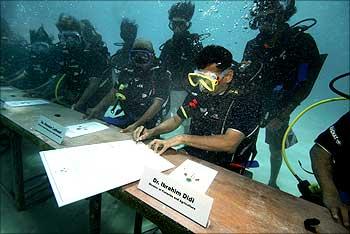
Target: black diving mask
pixel 141 57
pixel 70 38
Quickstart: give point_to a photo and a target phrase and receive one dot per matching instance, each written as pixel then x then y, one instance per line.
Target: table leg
pixel 95 214
pixel 17 163
pixel 138 223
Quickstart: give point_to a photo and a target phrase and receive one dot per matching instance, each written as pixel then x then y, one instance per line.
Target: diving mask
pixel 206 79
pixel 142 57
pixel 179 23
pixel 70 37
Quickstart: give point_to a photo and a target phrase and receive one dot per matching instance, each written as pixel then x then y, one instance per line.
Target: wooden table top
pixel 240 204
pixel 23 120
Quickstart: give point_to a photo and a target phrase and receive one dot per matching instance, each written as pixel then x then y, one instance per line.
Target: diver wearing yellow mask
pixel 222 121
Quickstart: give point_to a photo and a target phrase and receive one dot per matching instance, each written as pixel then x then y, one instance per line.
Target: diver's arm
pixel 106 101
pixel 141 133
pixel 19 77
pixel 227 142
pixel 321 166
pixel 151 112
pixel 88 92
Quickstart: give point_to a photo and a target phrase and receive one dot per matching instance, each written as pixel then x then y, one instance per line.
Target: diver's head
pixel 40 42
pixel 128 31
pixel 269 15
pixel 142 54
pixel 69 31
pixel 40 35
pixel 180 15
pixel 89 33
pixel 214 73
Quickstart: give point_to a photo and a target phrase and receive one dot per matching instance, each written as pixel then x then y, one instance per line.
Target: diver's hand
pixel 91 113
pixel 275 124
pixel 130 128
pixel 336 207
pixel 141 133
pixel 160 146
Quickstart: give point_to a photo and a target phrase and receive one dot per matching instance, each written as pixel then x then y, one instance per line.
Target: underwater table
pixel 21 122
pixel 240 204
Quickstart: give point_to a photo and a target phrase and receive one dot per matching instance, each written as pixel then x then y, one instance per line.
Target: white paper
pixel 197 176
pixel 22 103
pixel 84 128
pixel 80 172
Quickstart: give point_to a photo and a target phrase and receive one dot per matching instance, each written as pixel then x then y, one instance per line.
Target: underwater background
pixel 226 22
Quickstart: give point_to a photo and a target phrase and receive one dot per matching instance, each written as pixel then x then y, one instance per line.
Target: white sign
pixel 84 128
pixel 22 103
pixel 198 176
pixel 79 172
pixel 179 196
pixel 51 129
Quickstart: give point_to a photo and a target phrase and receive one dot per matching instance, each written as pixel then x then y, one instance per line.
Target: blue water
pixel 225 21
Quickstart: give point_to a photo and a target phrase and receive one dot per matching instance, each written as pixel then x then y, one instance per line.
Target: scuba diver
pixel 81 66
pixel 14 53
pixel 330 166
pixel 291 63
pixel 178 53
pixel 141 92
pixel 128 33
pixel 37 71
pixel 223 122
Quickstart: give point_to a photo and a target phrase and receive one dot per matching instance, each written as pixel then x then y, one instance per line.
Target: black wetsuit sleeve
pixel 97 63
pixel 248 53
pixel 162 84
pixel 336 138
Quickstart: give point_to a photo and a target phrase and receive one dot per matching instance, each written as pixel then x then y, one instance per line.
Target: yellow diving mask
pixel 206 79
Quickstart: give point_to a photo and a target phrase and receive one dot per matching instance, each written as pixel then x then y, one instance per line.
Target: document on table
pixel 198 176
pixel 22 103
pixel 84 128
pixel 80 172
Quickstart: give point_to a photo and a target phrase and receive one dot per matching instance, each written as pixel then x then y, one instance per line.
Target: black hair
pixel 68 23
pixel 89 33
pixel 183 10
pixel 214 54
pixel 40 35
pixel 128 30
pixel 264 5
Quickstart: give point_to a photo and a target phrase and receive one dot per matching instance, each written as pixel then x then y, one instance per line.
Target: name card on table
pixel 51 129
pixel 180 197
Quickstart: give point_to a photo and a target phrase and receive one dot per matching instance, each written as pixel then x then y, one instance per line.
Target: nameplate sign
pixel 51 129
pixel 180 197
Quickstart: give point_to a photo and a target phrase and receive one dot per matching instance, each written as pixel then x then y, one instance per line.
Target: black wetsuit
pixel 290 67
pixel 213 115
pixel 79 66
pixel 177 56
pixel 140 88
pixel 14 58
